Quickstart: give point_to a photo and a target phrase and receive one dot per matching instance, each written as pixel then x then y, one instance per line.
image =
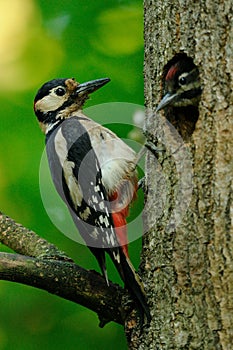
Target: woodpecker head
pixel 181 84
pixel 58 98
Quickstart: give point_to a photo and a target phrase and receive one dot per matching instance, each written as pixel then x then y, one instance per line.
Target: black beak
pixel 168 99
pixel 91 86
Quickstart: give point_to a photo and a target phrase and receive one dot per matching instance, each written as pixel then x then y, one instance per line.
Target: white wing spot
pixel 117 256
pixel 95 199
pixel 94 234
pixel 108 238
pixel 97 188
pixel 112 238
pixel 104 220
pixel 84 215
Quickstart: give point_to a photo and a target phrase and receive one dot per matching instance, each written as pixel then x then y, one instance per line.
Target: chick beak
pixel 167 100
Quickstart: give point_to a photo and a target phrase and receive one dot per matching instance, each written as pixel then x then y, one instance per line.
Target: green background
pixel 41 40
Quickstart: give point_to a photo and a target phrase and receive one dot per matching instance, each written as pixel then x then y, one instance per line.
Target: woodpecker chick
pixel 181 85
pixel 94 172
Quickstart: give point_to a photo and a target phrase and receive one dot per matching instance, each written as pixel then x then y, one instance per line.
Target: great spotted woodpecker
pixel 181 83
pixel 181 88
pixel 94 172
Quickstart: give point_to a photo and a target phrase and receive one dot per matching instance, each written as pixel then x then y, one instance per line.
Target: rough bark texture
pixel 188 245
pixel 66 280
pixel 188 251
pixel 40 264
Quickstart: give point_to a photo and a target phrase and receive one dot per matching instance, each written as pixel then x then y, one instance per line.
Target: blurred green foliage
pixel 41 40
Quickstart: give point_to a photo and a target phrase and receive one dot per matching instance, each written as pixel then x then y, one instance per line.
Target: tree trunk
pixel 188 245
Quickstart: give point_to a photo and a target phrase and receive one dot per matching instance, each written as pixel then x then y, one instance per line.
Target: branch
pixel 27 242
pixel 41 265
pixel 66 280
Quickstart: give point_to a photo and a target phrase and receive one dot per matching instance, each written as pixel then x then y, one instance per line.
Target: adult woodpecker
pixel 93 171
pixel 181 83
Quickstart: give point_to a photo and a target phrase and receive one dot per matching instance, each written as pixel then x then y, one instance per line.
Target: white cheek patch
pixel 50 102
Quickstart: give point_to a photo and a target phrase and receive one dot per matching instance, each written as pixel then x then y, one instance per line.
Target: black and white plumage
pixel 93 171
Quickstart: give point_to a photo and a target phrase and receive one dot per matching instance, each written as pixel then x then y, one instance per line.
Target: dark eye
pixel 60 91
pixel 182 81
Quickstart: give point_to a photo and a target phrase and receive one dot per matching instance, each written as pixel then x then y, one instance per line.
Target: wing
pixel 77 177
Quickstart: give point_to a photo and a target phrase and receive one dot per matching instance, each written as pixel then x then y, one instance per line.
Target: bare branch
pixel 66 280
pixel 27 242
pixel 41 265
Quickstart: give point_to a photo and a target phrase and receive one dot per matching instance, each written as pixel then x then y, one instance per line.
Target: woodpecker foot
pixel 151 147
pixel 142 183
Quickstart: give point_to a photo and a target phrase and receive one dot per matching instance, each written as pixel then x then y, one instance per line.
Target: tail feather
pixel 124 266
pixel 133 283
pixel 99 253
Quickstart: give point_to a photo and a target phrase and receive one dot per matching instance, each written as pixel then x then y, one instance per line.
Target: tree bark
pixel 188 245
pixel 187 258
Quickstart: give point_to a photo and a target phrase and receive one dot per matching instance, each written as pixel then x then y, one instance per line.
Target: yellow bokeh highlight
pixel 26 50
pixel 13 28
pixel 120 31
